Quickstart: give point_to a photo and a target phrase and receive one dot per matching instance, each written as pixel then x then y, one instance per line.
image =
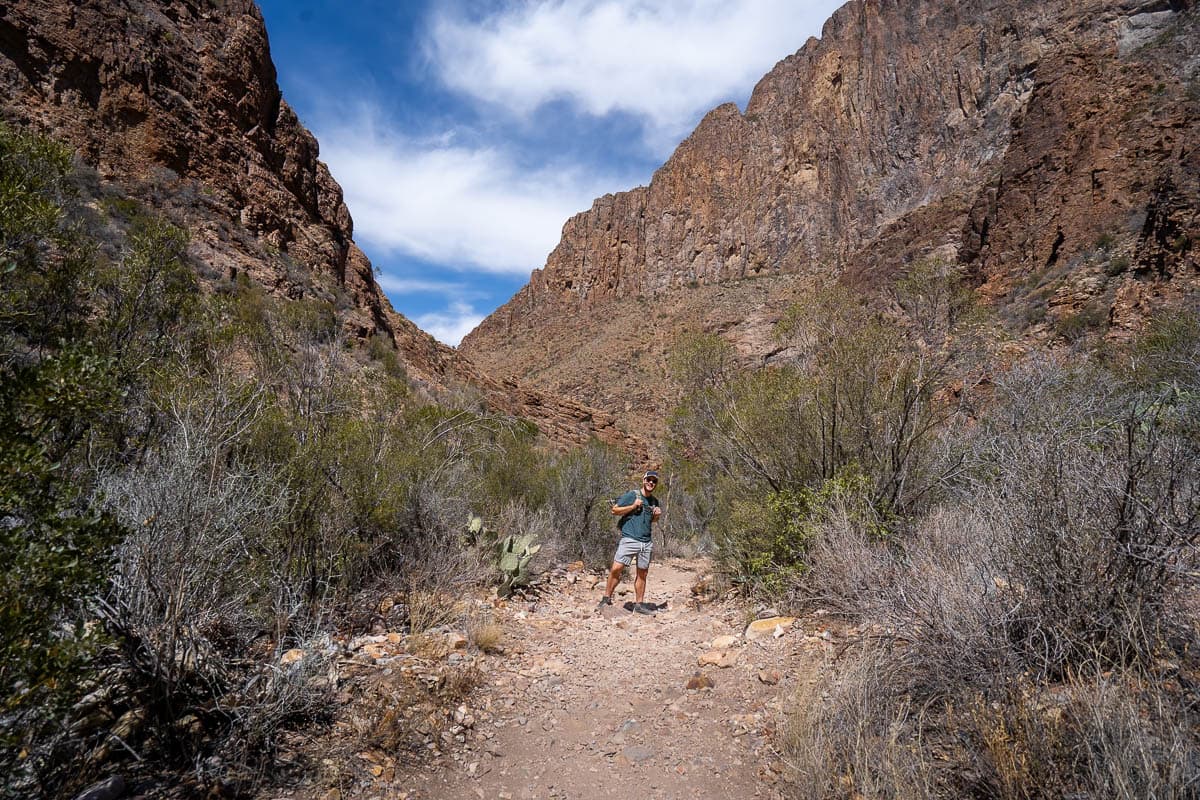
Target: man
pixel 638 511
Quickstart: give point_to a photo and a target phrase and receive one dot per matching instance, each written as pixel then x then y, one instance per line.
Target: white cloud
pixel 451 325
pixel 394 284
pixel 666 61
pixel 455 205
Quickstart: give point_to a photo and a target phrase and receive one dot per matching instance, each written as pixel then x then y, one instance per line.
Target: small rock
pixel 723 642
pixel 108 789
pixel 711 658
pixel 575 566
pixel 700 680
pixel 386 605
pixel 764 627
pixel 728 659
pixel 637 754
pixel 769 676
pixel 360 642
pixel 456 641
pixel 291 656
pixel 376 651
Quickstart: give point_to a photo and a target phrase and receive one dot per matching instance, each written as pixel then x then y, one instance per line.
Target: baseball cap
pixel 650 474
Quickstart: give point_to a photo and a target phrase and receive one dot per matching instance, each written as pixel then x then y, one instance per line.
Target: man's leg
pixel 614 577
pixel 639 584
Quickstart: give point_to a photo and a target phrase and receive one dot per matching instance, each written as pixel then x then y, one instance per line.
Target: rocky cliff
pixel 177 102
pixel 1048 148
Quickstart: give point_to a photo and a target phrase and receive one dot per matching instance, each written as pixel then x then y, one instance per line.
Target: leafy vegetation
pixel 193 482
pixel 1020 553
pixel 850 411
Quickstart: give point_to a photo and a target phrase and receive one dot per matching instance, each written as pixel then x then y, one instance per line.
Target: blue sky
pixel 466 132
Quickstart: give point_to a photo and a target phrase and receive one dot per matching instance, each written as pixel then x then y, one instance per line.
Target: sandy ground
pixel 587 704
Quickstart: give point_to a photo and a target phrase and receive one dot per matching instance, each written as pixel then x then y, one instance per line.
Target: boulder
pixel 761 628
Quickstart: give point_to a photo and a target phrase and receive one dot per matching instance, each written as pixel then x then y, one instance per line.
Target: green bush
pixel 852 409
pixel 582 484
pixel 202 481
pixel 1033 635
pixel 54 546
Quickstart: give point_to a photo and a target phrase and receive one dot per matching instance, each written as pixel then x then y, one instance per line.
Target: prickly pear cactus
pixel 476 533
pixel 515 553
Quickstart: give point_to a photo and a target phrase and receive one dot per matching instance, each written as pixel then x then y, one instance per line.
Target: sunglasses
pixel 650 480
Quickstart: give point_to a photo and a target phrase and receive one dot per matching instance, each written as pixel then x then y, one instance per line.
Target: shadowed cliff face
pixel 178 98
pixel 1007 137
pixel 177 101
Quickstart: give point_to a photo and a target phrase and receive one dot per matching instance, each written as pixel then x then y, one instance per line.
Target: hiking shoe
pixel 645 608
pixel 604 601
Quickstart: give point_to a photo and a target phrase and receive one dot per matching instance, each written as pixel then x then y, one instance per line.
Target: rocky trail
pixel 583 703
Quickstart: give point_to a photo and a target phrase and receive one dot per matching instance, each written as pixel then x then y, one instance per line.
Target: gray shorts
pixel 628 548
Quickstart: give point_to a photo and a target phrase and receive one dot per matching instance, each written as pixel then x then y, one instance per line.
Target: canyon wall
pixel 1046 148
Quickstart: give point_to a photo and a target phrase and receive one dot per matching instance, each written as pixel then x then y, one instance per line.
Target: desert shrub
pixel 45 264
pixel 852 408
pixel 767 543
pixel 1038 618
pixel 382 350
pixel 857 735
pixel 1077 325
pixel 1093 485
pixel 57 388
pixel 510 467
pixel 582 485
pixel 186 596
pixel 862 732
pixel 849 562
pixel 1167 354
pixel 192 484
pixel 484 632
pixel 54 552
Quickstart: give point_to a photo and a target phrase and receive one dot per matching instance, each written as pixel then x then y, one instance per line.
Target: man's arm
pixel 620 511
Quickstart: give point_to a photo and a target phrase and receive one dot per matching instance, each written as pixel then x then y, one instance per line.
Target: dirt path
pixel 596 705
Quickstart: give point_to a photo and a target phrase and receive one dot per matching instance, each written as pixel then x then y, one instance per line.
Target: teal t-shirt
pixel 636 524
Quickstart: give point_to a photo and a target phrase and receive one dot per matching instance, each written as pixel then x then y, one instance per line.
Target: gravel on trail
pixel 591 703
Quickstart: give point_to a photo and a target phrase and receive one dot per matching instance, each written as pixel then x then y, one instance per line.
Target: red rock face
pixel 1049 149
pixel 177 101
pixel 174 96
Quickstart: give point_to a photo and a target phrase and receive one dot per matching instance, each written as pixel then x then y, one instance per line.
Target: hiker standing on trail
pixel 638 510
